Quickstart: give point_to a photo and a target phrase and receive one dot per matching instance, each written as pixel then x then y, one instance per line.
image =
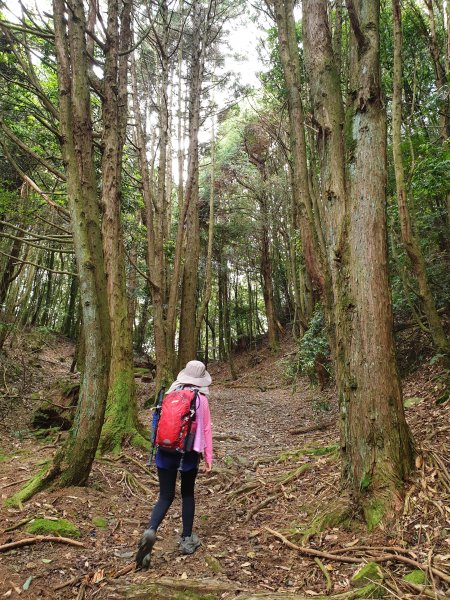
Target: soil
pixel 276 467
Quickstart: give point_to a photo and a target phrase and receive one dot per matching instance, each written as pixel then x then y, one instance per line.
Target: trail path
pixel 263 476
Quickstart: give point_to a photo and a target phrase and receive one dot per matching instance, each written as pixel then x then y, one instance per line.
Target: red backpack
pixel 177 423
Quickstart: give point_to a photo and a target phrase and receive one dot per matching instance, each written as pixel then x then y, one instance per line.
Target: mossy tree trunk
pixel 376 445
pixel 72 464
pixel 121 421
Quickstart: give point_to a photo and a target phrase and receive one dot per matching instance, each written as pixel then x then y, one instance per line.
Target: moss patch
pixel 413 401
pixel 100 522
pixel 60 527
pixel 33 486
pixel 374 513
pixel 369 591
pixel 417 576
pixel 139 441
pixel 213 563
pixel 322 450
pixel 3 456
pixel 368 574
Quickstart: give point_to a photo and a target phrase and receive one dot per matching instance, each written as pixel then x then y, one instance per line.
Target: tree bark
pixel 72 464
pixel 187 344
pixel 376 445
pixel 312 248
pixel 121 421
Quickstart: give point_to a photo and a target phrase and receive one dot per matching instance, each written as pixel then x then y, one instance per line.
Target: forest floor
pixel 276 470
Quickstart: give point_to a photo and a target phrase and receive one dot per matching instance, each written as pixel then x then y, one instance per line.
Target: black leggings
pixel 167 479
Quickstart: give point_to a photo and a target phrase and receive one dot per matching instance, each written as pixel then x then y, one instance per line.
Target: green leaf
pixel 27 583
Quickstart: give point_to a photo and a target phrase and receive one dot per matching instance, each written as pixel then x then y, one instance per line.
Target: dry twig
pixel 37 539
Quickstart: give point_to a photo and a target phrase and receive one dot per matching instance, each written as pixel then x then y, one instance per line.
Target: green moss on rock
pixel 417 576
pixel 60 527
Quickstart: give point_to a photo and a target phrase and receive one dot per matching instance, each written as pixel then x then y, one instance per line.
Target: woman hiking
pixel 194 376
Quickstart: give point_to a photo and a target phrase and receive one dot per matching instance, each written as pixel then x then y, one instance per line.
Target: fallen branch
pixel 412 563
pixel 426 591
pixel 72 581
pixel 251 513
pixel 40 538
pixel 124 570
pixel 14 483
pixel 19 523
pixel 311 551
pixel 317 427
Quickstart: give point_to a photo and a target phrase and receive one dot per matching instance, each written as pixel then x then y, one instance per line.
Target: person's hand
pixel 207 467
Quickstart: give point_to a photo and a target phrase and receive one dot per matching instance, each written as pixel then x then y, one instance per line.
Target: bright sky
pixel 243 39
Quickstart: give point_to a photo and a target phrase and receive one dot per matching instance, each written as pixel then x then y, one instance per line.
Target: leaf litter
pixel 275 479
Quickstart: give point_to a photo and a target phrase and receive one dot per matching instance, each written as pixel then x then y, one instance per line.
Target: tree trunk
pixel 289 55
pixel 121 419
pixel 266 272
pixel 68 326
pixel 187 342
pixel 375 441
pixel 409 239
pixel 208 275
pixel 48 291
pixel 72 464
pixel 155 253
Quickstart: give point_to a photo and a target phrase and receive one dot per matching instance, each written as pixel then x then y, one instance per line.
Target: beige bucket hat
pixel 195 373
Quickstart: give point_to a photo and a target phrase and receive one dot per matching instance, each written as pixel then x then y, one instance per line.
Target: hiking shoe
pixel 189 544
pixel 146 544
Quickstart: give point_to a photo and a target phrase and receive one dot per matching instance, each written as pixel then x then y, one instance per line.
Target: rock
pixel 58 406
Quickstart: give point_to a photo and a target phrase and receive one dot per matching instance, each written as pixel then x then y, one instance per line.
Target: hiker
pixel 194 376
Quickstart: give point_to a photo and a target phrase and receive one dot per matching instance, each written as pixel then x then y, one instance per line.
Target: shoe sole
pixel 145 547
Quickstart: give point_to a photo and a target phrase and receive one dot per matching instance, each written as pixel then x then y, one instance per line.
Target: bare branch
pixel 32 184
pixel 27 262
pixel 33 154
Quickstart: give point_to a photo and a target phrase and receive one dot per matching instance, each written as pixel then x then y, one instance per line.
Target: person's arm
pixel 207 431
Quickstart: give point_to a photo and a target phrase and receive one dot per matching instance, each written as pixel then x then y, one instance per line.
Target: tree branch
pixel 27 262
pixel 33 185
pixel 33 154
pixel 356 25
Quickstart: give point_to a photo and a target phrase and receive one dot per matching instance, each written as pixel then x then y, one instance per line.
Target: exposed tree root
pixel 18 524
pixel 37 539
pixel 349 559
pixel 326 574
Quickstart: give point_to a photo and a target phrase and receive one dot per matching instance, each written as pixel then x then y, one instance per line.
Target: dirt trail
pixel 297 479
